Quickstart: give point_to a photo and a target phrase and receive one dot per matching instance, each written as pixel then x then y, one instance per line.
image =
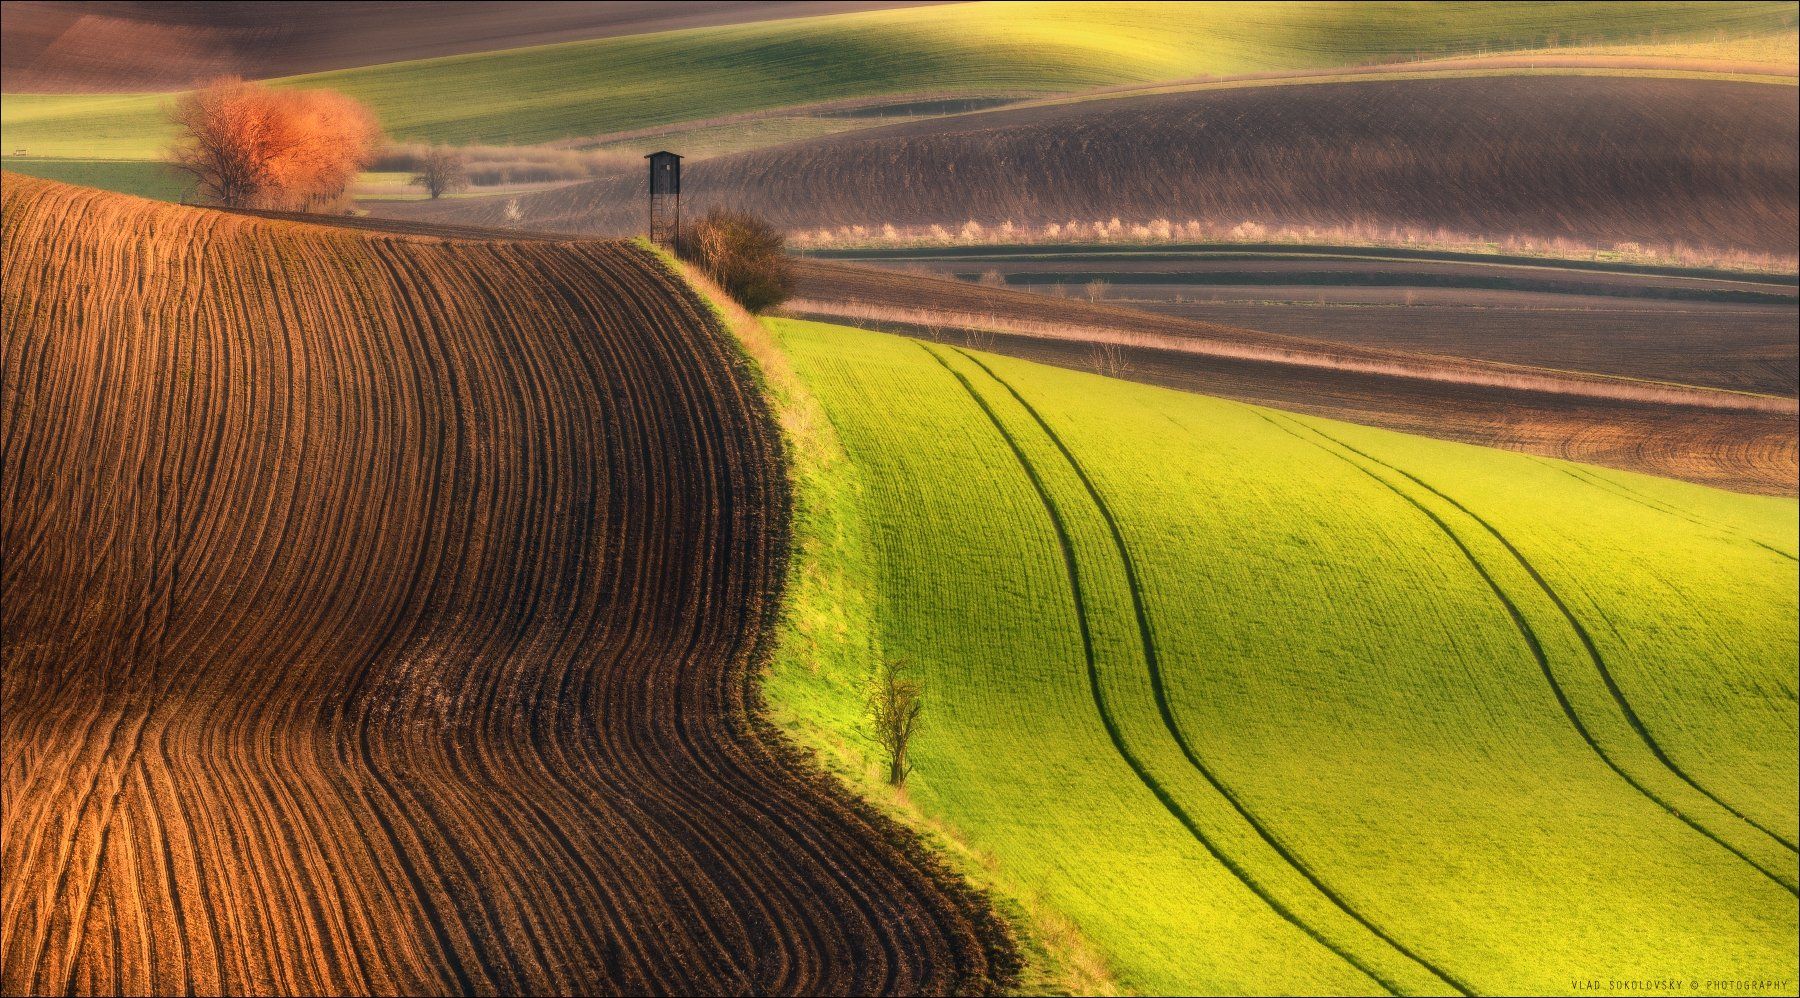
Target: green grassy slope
pixel 1261 702
pixel 144 178
pixel 586 88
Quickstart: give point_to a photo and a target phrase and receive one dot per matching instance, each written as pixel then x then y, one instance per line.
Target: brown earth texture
pixel 381 616
pixel 1592 159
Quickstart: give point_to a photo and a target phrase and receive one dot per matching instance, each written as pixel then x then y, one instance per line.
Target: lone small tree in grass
pixel 744 254
pixel 442 171
pixel 896 701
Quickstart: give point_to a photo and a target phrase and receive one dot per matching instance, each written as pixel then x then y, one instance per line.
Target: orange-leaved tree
pixel 250 146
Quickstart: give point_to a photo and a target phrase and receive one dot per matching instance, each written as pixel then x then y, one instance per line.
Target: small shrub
pixel 1108 359
pixel 744 254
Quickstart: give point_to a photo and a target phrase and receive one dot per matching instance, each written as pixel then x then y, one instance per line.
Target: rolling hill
pixel 379 617
pixel 1587 159
pixel 77 47
pixel 589 88
pixel 1594 413
pixel 1264 703
pixel 1730 329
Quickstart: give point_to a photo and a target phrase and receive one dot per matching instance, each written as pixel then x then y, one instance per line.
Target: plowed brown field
pixel 380 615
pixel 1701 163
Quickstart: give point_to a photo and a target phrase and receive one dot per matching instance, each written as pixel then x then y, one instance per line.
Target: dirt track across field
pixel 381 616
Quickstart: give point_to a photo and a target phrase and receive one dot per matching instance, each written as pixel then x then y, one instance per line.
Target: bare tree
pixel 896 701
pixel 247 145
pixel 978 338
pixel 1096 289
pixel 442 170
pixel 1108 359
pixel 512 213
pixel 744 254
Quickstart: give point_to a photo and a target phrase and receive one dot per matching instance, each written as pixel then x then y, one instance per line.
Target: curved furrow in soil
pixel 382 615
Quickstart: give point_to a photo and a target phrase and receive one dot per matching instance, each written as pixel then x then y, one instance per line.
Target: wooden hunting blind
pixel 665 197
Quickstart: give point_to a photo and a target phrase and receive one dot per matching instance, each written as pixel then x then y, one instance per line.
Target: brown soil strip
pixel 1733 441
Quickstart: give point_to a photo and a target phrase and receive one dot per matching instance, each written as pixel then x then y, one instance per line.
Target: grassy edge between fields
pixel 827 643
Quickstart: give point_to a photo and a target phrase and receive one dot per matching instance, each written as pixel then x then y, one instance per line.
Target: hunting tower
pixel 665 197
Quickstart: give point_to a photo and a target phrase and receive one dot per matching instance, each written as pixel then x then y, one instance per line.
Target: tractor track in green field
pixel 1587 641
pixel 1342 450
pixel 1152 663
pixel 1634 496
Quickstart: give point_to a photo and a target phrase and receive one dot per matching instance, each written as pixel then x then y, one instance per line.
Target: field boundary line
pixel 1410 72
pixel 1535 644
pixel 1023 251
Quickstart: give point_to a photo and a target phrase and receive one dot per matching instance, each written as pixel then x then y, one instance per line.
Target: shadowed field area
pixel 1662 162
pixel 379 617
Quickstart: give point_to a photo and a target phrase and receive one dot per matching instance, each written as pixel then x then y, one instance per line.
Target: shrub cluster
pixel 744 254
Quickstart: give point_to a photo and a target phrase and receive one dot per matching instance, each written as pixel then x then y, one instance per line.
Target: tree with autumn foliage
pixel 249 146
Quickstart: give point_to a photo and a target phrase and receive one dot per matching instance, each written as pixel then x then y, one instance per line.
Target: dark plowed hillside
pixel 55 47
pixel 379 617
pixel 1733 331
pixel 1594 159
